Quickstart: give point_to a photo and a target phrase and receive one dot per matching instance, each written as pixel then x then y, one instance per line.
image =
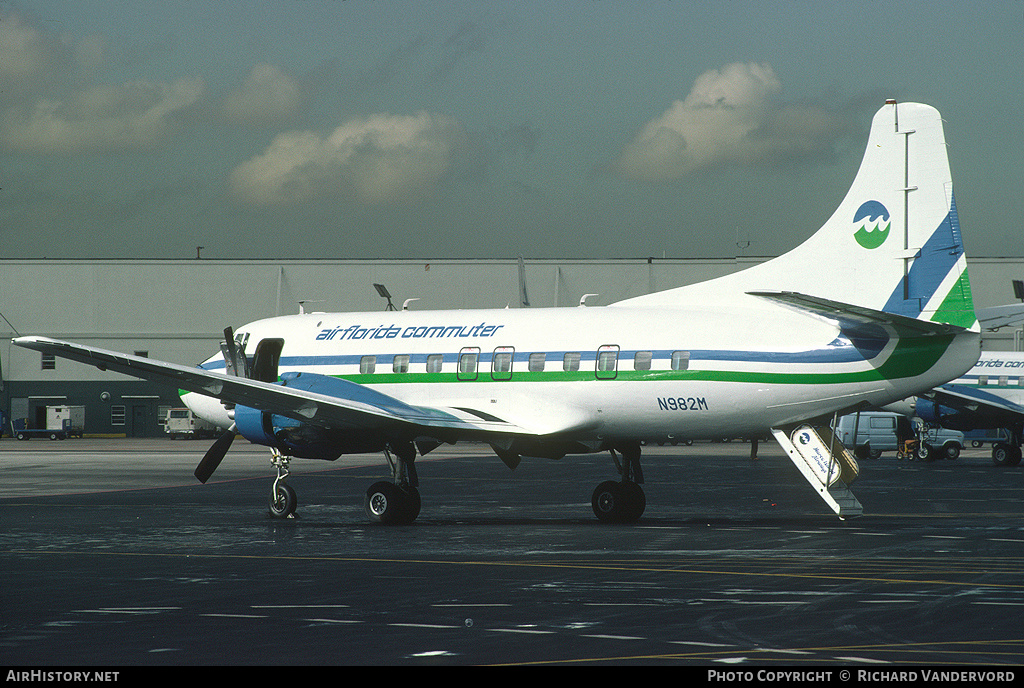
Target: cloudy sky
pixel 557 129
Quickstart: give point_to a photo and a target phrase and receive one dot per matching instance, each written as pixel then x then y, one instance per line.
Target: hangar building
pixel 176 310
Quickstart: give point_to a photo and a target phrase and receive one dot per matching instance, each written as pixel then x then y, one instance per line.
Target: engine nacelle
pixel 936 414
pixel 307 440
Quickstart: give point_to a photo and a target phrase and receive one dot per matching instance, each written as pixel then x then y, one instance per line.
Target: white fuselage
pixel 607 372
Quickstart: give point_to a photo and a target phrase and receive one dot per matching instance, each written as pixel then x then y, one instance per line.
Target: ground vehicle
pixel 182 423
pixel 61 422
pixel 880 431
pixel 876 432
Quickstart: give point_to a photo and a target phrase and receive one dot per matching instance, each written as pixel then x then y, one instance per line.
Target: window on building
pixel 117 415
pixel 48 362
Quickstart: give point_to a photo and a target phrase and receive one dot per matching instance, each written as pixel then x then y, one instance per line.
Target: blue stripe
pixel 841 351
pixel 938 256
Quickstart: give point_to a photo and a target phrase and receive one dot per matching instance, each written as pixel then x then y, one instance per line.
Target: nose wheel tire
pixel 283 501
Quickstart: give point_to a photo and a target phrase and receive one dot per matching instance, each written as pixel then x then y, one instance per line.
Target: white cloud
pixel 25 52
pixel 729 116
pixel 133 116
pixel 377 159
pixel 267 95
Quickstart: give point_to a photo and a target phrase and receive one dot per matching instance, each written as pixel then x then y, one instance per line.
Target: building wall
pixel 176 310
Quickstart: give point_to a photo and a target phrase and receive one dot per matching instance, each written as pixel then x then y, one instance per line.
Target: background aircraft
pixel 874 307
pixel 989 396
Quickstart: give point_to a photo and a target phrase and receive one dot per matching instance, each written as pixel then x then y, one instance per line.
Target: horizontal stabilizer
pixel 849 314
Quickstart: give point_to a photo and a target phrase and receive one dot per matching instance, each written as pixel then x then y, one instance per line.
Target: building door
pixel 140 421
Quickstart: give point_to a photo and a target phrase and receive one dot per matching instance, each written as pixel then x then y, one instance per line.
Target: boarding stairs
pixel 825 463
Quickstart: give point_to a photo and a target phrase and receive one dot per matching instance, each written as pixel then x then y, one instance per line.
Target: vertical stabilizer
pixel 893 244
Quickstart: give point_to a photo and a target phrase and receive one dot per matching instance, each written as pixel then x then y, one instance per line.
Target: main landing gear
pixel 395 502
pixel 623 501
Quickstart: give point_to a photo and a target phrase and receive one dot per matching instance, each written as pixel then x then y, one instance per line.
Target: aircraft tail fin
pixel 892 245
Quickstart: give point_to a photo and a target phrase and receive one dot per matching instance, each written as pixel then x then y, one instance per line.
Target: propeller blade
pixel 214 455
pixel 234 358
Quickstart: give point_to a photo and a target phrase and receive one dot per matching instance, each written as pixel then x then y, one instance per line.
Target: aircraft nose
pixel 207 408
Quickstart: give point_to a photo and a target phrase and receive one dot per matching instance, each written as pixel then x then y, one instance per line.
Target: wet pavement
pixel 115 556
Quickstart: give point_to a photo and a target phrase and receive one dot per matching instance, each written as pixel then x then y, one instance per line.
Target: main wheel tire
pixel 389 504
pixel 1004 454
pixel 618 502
pixel 283 501
pixel 607 501
pixel 635 502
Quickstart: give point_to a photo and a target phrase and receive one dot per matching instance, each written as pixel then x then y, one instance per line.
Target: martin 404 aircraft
pixel 989 396
pixel 873 308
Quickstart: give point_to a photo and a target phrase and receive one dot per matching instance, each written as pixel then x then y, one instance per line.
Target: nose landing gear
pixel 283 500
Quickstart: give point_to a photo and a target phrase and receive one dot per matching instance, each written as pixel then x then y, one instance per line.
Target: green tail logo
pixel 875 236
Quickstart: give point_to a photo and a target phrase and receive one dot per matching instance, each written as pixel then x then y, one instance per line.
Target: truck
pixel 182 423
pixel 881 431
pixel 61 422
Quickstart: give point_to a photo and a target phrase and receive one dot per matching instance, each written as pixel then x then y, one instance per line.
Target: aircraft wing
pixel 972 399
pixel 1001 316
pixel 348 405
pixel 851 315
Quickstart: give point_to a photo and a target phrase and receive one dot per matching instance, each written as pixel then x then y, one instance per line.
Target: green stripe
pixel 912 356
pixel 958 306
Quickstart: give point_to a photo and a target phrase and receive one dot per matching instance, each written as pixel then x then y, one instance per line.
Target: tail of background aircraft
pixel 893 244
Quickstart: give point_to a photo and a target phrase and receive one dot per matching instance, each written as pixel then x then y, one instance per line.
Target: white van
pixel 881 431
pixel 877 432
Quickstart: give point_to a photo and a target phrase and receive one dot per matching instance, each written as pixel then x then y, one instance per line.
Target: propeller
pixel 263 368
pixel 215 454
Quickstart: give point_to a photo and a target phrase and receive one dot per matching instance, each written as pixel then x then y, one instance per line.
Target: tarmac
pixel 114 556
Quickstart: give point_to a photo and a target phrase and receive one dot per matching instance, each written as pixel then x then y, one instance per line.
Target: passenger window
pixel 642 360
pixel 571 361
pixel 1004 380
pixel 680 360
pixel 607 362
pixel 501 364
pixel 983 380
pixel 367 364
pixel 434 363
pixel 468 359
pixel 400 364
pixel 537 363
